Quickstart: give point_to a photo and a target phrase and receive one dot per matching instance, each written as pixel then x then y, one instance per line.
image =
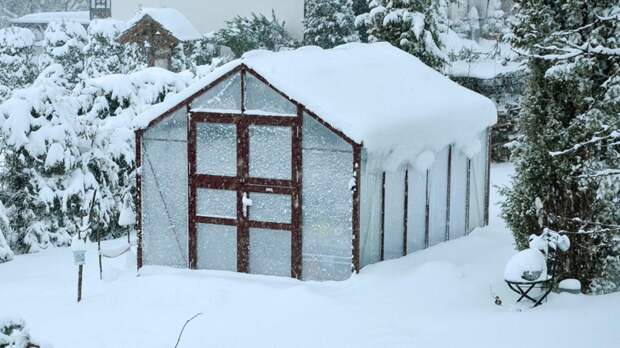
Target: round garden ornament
pixel 528 265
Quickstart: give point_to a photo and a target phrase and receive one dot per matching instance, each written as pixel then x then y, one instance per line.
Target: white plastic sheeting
pixel 477 192
pixel 416 210
pixel 224 97
pixel 270 252
pixel 270 207
pixel 260 98
pixel 438 198
pixel 327 203
pixel 271 152
pixel 393 236
pixel 458 194
pixel 216 203
pixel 216 149
pixel 370 215
pixel 164 192
pixel 216 247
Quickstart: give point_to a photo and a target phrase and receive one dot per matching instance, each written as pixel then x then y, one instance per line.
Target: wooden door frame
pixel 243 69
pixel 244 183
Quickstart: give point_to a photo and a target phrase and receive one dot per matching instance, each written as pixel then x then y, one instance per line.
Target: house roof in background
pixel 82 17
pixel 170 19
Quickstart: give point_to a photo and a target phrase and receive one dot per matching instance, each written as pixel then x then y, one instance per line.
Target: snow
pixel 439 297
pixel 82 17
pixel 352 87
pixel 170 19
pixel 570 285
pixel 527 261
pixel 490 58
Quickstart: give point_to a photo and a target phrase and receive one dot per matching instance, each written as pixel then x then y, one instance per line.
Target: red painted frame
pixel 254 184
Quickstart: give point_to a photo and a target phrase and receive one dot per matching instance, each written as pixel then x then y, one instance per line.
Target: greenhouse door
pixel 244 193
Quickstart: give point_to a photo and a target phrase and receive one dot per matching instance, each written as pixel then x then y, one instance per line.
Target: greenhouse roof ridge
pixel 375 94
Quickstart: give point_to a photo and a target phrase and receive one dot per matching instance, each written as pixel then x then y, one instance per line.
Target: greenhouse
pixel 311 164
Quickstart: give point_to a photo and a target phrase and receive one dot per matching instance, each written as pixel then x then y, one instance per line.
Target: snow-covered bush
pixel 62 143
pixel 18 66
pixel 14 333
pixel 64 43
pixel 243 34
pixel 329 23
pixel 411 25
pixel 6 254
pixel 187 56
pixel 567 157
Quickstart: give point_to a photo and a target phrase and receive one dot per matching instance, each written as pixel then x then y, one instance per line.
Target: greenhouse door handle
pixel 246 202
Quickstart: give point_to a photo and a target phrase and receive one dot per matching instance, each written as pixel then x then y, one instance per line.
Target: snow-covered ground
pixel 440 297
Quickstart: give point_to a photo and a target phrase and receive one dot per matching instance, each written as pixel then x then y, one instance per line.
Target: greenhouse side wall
pixel 410 209
pixel 327 203
pixel 164 191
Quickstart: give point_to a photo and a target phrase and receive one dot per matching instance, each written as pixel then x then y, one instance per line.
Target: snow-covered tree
pixel 103 55
pixel 62 143
pixel 567 157
pixel 411 25
pixel 64 43
pixel 18 67
pixel 329 23
pixel 6 254
pixel 188 56
pixel 474 23
pixel 243 34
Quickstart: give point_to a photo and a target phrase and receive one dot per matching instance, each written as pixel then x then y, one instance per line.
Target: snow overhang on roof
pixel 375 94
pixel 171 20
pixel 82 17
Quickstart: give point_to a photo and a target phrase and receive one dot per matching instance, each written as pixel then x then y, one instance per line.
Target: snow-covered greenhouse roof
pixel 375 94
pixel 82 17
pixel 171 20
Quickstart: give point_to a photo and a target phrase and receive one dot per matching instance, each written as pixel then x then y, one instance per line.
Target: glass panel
pixel 394 215
pixel 216 149
pixel 270 252
pixel 438 198
pixel 458 193
pixel 223 97
pixel 261 99
pixel 271 207
pixel 173 127
pixel 271 152
pixel 327 206
pixel 164 201
pixel 416 209
pixel 217 203
pixel 217 247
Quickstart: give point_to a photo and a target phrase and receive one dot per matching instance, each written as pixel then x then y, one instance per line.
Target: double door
pixel 245 193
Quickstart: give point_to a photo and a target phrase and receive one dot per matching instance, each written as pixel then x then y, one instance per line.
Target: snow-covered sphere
pixel 527 265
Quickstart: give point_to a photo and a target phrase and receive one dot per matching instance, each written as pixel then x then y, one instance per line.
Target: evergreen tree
pixel 411 25
pixel 329 23
pixel 18 66
pixel 103 55
pixel 6 254
pixel 360 7
pixel 64 43
pixel 243 34
pixel 567 157
pixel 190 55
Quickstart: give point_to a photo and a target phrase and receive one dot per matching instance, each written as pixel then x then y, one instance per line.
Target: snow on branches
pixel 329 23
pixel 411 25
